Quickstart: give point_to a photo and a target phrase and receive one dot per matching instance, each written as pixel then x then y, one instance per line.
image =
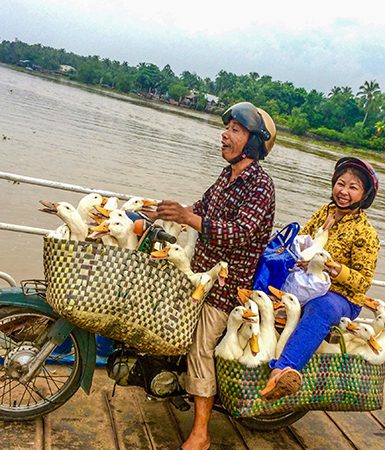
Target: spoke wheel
pixel 273 422
pixel 22 334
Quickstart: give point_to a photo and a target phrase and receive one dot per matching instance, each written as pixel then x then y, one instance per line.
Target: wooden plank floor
pixel 128 421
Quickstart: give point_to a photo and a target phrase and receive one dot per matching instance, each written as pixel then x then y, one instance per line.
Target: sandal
pixel 286 382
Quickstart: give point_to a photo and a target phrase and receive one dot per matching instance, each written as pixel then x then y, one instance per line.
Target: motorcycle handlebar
pixel 161 235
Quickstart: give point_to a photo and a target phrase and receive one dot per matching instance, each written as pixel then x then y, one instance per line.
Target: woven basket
pixel 332 382
pixel 121 294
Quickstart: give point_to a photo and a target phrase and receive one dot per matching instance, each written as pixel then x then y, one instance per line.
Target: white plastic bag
pixel 299 244
pixel 305 286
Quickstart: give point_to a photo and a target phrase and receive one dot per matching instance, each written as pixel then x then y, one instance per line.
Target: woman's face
pixel 234 139
pixel 348 190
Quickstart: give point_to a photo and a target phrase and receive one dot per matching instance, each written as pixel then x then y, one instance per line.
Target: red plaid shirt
pixel 237 223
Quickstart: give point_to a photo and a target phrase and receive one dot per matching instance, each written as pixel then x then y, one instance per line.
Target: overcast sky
pixel 313 44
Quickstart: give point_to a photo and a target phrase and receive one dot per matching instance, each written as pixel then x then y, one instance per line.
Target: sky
pixel 313 44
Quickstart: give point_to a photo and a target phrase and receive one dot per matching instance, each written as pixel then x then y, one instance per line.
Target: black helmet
pixel 367 175
pixel 260 125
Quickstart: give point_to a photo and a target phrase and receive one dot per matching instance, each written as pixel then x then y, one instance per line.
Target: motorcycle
pixel 45 359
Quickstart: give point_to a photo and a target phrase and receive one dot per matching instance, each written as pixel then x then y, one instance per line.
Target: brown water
pixel 59 132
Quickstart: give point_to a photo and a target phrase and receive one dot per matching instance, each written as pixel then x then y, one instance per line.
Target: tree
pixel 368 93
pixel 298 122
pixel 149 77
pixel 177 91
pixel 191 80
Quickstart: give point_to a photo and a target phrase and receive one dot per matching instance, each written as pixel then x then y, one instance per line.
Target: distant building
pixel 65 68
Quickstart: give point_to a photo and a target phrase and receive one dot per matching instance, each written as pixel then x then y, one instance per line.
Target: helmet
pixel 365 172
pixel 260 125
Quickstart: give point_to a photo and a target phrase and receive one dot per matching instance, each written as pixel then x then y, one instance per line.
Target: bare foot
pixel 197 442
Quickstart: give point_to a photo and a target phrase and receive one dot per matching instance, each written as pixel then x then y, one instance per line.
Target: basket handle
pixel 342 342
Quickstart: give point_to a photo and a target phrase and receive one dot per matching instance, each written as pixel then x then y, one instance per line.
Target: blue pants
pixel 318 316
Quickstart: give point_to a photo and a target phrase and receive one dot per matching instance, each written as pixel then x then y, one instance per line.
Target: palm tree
pixel 334 91
pixel 368 92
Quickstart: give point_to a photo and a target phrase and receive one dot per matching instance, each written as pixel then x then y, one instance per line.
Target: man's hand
pixel 174 211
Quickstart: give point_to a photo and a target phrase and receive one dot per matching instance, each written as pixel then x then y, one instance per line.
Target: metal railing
pixel 85 190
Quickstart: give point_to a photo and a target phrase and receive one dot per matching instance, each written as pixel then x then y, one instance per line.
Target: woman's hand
pixel 333 267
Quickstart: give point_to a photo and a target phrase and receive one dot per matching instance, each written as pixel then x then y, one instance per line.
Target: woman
pixel 353 244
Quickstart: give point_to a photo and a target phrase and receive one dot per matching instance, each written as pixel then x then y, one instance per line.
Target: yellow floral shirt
pixel 354 243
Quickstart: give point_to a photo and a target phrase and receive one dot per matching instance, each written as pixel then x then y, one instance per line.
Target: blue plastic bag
pixel 277 259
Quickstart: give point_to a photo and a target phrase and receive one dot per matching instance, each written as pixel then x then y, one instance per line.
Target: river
pixel 60 132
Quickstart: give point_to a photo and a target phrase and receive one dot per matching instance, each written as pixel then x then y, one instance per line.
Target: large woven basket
pixel 332 382
pixel 121 294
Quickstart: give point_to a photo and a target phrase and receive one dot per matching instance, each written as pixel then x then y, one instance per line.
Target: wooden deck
pixel 129 421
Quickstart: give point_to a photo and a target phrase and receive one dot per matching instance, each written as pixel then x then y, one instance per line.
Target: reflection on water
pixel 58 132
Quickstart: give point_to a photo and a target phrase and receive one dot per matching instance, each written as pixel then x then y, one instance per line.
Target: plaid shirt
pixel 237 222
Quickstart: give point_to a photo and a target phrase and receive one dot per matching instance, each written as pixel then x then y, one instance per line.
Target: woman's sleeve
pixel 364 253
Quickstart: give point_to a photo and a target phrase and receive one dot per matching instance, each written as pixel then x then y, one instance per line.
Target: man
pixel 234 219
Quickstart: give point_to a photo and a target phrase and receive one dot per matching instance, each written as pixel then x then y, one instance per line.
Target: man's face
pixel 234 139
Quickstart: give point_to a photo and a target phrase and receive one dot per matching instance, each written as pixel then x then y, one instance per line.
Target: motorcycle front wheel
pixel 23 332
pixel 272 422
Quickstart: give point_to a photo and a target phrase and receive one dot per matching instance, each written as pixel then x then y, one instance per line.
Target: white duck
pixel 121 229
pixel 229 348
pixel 176 254
pixel 312 282
pixel 375 305
pixel 88 203
pixel 111 203
pixel 375 355
pixel 254 352
pixel 293 315
pixel 378 323
pixel 365 342
pixel 266 311
pixel 77 230
pixel 219 273
pixel 137 203
pixel 319 241
pixel 192 236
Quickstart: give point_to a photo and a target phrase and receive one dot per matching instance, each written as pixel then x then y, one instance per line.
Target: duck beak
pixel 277 305
pixel 160 254
pixel 280 322
pixel 248 316
pixel 276 292
pixel 198 293
pixel 222 275
pixel 254 344
pixel 371 303
pixel 147 202
pixel 352 327
pixel 244 295
pixel 49 207
pixel 99 230
pixel 330 263
pixel 374 345
pixel 104 212
pixel 104 201
pixel 96 218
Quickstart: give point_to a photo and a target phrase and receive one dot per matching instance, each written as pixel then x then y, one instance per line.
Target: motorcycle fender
pixel 86 340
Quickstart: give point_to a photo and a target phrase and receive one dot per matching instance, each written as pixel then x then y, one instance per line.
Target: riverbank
pixel 284 135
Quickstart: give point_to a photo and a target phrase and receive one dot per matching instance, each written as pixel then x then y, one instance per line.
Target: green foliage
pixel 177 91
pixel 297 122
pixel 340 116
